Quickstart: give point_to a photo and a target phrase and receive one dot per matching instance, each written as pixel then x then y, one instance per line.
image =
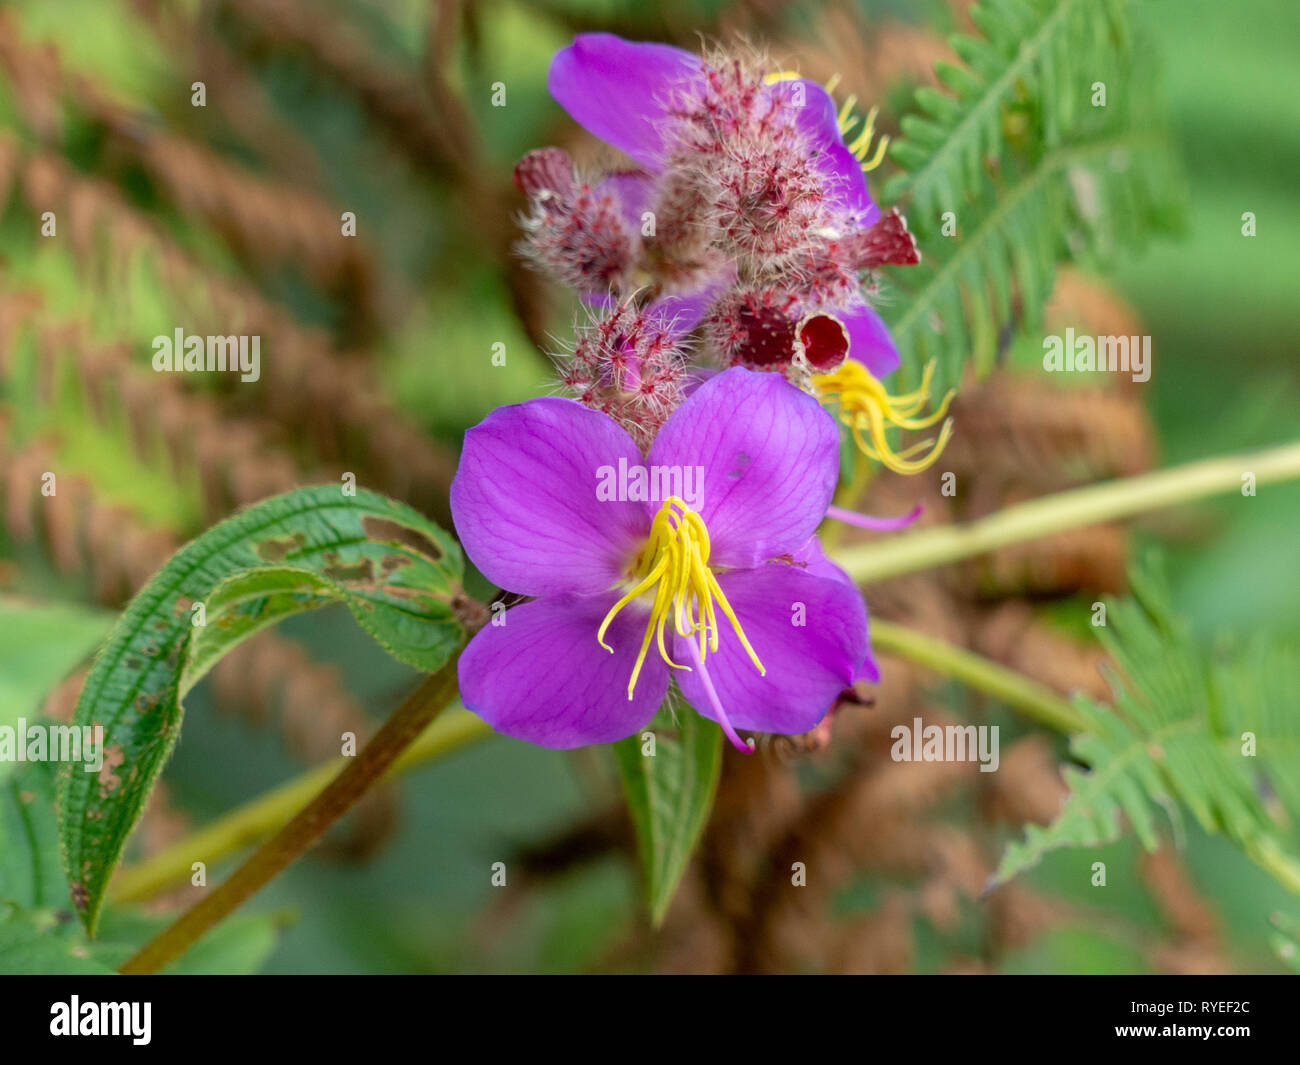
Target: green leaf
pixel 44 942
pixel 40 644
pixel 1285 940
pixel 30 872
pixel 398 573
pixel 669 794
pixel 1013 61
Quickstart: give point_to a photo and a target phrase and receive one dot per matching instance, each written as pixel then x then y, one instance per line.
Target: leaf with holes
pixel 398 573
pixel 670 774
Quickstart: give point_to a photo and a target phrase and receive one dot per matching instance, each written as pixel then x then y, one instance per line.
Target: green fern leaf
pixel 1210 734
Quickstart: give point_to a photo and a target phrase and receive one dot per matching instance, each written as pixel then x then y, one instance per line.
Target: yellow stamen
pixel 675 563
pixel 864 405
pixel 846 117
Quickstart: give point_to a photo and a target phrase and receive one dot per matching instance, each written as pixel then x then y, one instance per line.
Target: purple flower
pixel 730 595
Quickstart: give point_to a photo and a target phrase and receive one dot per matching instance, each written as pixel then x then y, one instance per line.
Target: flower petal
pixel 807 664
pixel 542 676
pixel 634 192
pixel 869 339
pixel 525 505
pixel 770 456
pixel 818 120
pixel 817 563
pixel 618 90
pixel 682 311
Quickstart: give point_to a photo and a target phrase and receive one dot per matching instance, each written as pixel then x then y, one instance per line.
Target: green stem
pixel 263 816
pixel 1035 700
pixel 927 548
pixel 292 841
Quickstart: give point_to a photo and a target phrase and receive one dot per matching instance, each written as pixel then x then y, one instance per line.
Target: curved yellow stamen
pixel 675 563
pixel 864 405
pixel 846 117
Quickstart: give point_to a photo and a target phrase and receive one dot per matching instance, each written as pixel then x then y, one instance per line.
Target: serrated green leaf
pixel 398 573
pixel 1033 173
pixel 669 794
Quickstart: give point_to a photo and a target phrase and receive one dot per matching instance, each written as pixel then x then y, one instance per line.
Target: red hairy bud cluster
pixel 738 224
pixel 629 365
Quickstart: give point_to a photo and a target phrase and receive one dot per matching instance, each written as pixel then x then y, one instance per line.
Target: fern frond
pixel 1029 173
pixel 1030 53
pixel 1213 734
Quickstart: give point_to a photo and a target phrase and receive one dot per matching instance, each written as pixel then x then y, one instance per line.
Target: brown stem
pixel 292 841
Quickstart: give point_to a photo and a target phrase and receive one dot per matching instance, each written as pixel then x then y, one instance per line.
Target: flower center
pixel 865 406
pixel 675 564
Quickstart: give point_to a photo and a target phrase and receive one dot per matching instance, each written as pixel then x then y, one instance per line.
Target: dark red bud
pixel 767 337
pixel 888 241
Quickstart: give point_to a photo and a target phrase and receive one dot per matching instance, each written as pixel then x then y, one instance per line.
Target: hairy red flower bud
pixel 629 364
pixel 578 237
pixel 546 170
pixel 754 328
pixel 764 329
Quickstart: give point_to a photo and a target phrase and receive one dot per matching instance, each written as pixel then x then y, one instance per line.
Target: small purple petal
pixel 870 521
pixel 525 505
pixel 618 90
pixel 542 677
pixel 634 192
pixel 807 664
pixel 683 311
pixel 770 458
pixel 869 340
